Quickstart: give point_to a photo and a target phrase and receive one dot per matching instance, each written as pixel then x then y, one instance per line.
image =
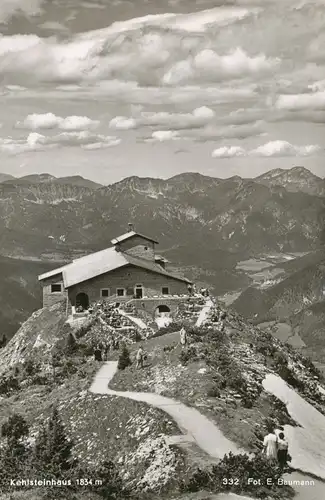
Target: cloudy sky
pixel 112 88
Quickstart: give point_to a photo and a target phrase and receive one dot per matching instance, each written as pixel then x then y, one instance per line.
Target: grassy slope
pixel 102 427
pixel 192 384
pixel 128 432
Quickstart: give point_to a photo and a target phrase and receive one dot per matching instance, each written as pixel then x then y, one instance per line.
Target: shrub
pixel 124 358
pixel 279 412
pixel 31 367
pixel 40 380
pixel 236 382
pixel 8 385
pixel 171 328
pixel 247 401
pixel 197 333
pixel 219 360
pixel 85 328
pixel 14 429
pixel 86 350
pixel 287 375
pixel 71 345
pixel 307 362
pixel 279 360
pixel 169 348
pixel 265 347
pixel 231 474
pixel 188 354
pixel 68 368
pixel 213 391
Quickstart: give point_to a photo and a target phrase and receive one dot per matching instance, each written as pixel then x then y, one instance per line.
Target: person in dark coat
pixel 282 450
pixel 98 353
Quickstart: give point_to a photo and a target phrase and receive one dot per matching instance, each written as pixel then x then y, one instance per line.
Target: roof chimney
pixel 131 226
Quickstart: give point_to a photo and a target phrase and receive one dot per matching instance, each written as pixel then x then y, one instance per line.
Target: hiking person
pixel 282 450
pixel 139 357
pixel 183 337
pixel 97 353
pixel 278 431
pixel 107 349
pixel 190 289
pixel 270 445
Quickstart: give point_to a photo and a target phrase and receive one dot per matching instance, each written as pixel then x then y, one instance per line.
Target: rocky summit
pixel 182 426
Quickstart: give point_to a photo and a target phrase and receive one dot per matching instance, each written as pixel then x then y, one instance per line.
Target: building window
pixel 165 290
pixel 120 292
pixel 56 288
pixel 104 292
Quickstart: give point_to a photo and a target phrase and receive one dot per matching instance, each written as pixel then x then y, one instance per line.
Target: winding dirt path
pixel 195 426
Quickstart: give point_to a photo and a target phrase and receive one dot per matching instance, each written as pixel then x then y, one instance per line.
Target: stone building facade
pixel 128 271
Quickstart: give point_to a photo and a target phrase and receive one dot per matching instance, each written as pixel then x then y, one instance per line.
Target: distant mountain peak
pixel 303 171
pixel 271 174
pixel 44 177
pixel 295 179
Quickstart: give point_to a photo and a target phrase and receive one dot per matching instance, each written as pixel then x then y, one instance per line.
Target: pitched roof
pixel 152 266
pixel 49 274
pixel 95 264
pixel 129 235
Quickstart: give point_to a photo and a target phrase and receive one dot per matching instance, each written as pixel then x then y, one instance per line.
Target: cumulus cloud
pixel 208 65
pixel 228 152
pixel 122 123
pixel 291 102
pixel 165 135
pixel 272 148
pixel 199 117
pixel 45 121
pixel 127 52
pixel 39 142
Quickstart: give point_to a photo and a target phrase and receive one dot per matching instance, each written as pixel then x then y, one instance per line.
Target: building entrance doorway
pixel 162 310
pixel 138 291
pixel 82 301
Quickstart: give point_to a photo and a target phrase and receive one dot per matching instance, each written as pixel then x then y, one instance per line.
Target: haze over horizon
pixel 110 90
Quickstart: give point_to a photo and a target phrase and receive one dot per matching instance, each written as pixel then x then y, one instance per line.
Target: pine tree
pixel 124 358
pixel 14 430
pixel 52 449
pixel 40 448
pixel 14 454
pixel 58 447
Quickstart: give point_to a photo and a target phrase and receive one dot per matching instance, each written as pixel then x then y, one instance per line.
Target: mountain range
pixel 205 225
pixel 42 216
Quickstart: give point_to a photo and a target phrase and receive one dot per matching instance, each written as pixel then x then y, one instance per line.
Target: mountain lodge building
pixel 128 272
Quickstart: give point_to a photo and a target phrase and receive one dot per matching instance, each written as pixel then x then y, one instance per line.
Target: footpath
pixel 196 427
